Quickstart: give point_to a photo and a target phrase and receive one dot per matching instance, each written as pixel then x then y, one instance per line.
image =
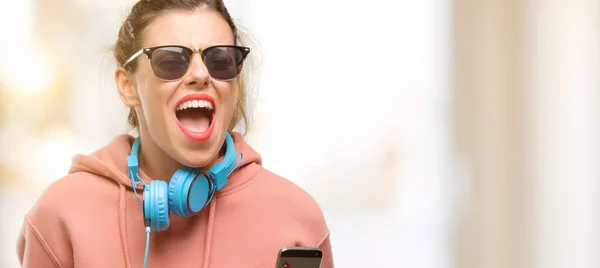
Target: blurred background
pixel 434 133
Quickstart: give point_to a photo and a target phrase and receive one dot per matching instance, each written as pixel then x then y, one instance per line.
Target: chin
pixel 201 154
pixel 198 159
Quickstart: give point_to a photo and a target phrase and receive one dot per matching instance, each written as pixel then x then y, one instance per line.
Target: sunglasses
pixel 171 62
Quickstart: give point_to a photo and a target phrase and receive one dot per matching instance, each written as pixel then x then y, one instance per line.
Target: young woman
pixel 188 192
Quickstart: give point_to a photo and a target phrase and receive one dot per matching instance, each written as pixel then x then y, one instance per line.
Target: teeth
pixel 195 104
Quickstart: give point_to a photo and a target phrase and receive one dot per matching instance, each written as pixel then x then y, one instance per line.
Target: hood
pixel 110 162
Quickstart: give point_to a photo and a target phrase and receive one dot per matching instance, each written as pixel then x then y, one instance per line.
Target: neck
pixel 157 164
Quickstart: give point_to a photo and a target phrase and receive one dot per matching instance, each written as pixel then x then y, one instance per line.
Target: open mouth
pixel 195 116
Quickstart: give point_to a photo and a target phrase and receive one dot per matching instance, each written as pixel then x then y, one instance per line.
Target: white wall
pixel 564 68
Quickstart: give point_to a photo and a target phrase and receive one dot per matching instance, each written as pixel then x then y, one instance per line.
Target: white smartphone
pixel 299 257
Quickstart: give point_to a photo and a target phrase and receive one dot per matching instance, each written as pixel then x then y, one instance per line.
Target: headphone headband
pixel 219 171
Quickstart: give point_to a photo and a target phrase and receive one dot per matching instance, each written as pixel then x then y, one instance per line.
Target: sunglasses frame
pixel 149 50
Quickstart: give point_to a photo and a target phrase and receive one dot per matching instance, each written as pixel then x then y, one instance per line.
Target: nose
pixel 198 75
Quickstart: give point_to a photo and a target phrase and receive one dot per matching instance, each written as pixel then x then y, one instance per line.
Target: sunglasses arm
pixel 133 57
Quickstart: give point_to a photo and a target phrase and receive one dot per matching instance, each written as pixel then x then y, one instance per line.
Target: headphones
pixel 189 191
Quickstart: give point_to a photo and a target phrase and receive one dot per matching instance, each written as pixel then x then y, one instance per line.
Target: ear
pixel 127 88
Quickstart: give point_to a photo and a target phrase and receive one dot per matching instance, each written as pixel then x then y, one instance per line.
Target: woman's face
pixel 191 137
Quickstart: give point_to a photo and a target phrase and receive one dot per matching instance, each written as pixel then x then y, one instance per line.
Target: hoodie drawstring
pixel 209 231
pixel 122 226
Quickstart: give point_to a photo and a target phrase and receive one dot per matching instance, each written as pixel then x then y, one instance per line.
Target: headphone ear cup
pixel 199 193
pixel 156 205
pixel 188 192
pixel 177 195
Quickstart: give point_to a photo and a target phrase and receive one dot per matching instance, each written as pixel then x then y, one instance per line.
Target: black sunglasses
pixel 223 62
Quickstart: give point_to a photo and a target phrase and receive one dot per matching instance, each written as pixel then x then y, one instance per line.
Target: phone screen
pixel 299 258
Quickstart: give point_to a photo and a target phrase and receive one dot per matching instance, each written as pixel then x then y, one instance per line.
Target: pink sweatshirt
pixel 91 218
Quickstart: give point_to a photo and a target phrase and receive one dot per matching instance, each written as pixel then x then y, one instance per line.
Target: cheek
pixel 229 95
pixel 148 85
pixel 233 100
pixel 154 97
pixel 235 91
pixel 234 95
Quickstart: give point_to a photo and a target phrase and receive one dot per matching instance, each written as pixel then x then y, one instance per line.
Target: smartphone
pixel 299 257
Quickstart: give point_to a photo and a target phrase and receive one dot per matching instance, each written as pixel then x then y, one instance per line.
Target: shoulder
pixel 45 238
pixel 70 196
pixel 285 190
pixel 283 198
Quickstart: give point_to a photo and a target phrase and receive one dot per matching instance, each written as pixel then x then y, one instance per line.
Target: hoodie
pixel 91 218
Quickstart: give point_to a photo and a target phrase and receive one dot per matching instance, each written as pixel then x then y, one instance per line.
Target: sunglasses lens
pixel 170 63
pixel 224 63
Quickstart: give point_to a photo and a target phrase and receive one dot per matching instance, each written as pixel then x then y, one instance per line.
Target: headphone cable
pixel 147 245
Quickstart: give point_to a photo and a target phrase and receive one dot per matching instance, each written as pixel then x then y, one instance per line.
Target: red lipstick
pixel 197 136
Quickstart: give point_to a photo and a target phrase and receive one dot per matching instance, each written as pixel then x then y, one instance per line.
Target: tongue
pixel 194 120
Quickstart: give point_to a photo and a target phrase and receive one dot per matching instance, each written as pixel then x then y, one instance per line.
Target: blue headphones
pixel 189 191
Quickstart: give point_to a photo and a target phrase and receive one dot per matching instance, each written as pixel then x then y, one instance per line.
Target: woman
pixel 188 192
